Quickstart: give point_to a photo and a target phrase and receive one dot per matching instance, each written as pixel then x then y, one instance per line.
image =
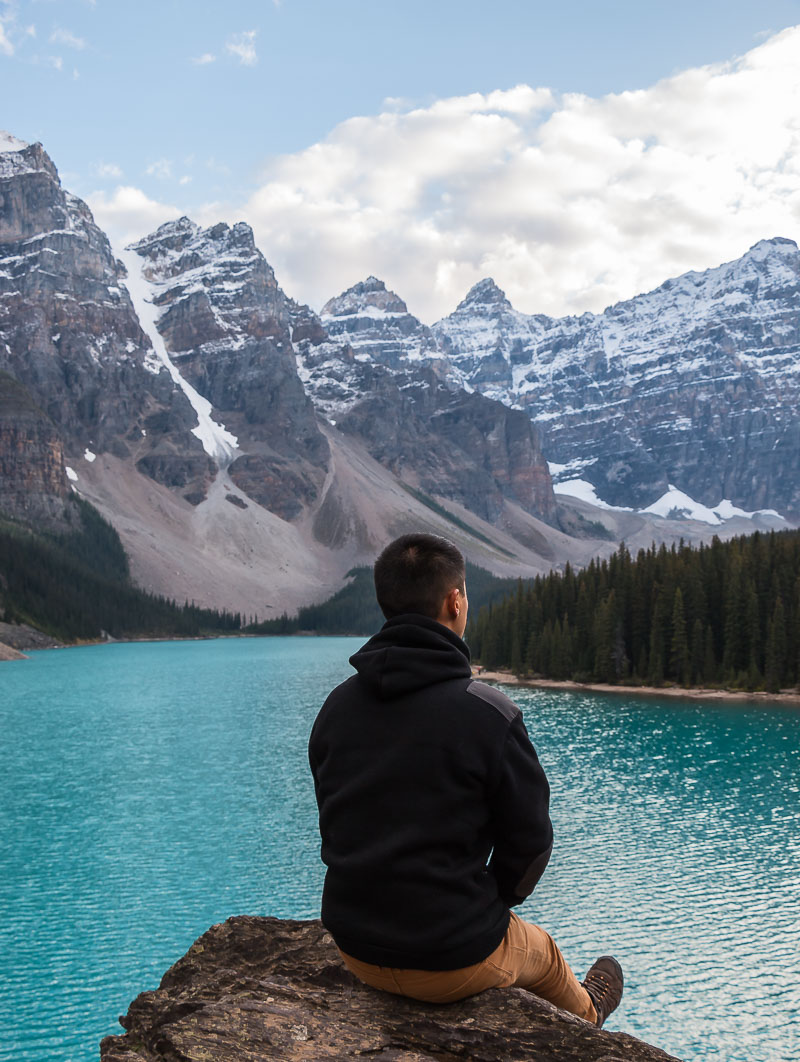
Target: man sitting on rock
pixel 433 808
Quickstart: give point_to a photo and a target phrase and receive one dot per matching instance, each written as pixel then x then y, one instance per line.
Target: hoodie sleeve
pixel 519 802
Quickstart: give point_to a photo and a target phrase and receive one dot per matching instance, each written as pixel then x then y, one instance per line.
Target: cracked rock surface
pixel 263 988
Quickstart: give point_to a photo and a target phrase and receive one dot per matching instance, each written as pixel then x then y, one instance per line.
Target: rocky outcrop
pixel 7 653
pixel 695 384
pixel 33 479
pixel 20 636
pixel 68 331
pixel 260 988
pixel 377 375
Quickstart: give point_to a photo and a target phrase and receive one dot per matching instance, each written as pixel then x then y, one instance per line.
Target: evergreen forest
pixel 724 614
pixel 75 586
pixel 354 610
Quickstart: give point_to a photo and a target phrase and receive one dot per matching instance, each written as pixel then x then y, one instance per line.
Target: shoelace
pixel 597 979
pixel 598 985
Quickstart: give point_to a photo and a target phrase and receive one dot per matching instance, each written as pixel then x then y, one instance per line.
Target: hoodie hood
pixel 408 653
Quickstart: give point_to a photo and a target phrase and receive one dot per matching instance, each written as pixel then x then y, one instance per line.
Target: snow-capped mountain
pixel 250 452
pixel 694 384
pixel 376 325
pixel 68 331
pixel 485 336
pixel 213 303
pixel 377 374
pixel 162 384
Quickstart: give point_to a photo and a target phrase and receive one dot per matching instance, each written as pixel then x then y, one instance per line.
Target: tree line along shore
pixel 724 615
pixel 74 585
pixel 720 615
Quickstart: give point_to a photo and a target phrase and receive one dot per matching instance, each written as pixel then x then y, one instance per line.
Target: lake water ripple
pixel 154 789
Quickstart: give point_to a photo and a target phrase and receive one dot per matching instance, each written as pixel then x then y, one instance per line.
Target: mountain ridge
pixel 250 451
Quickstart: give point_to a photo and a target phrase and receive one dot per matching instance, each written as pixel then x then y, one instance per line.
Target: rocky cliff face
pixel 262 988
pixel 33 483
pixel 226 326
pixel 376 325
pixel 68 331
pixel 378 375
pixel 694 384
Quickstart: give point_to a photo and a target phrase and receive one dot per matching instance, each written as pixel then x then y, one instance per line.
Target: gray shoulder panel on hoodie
pixel 504 705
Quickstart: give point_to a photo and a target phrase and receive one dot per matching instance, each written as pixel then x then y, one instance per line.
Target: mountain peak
pixel 371 284
pixel 18 157
pixel 485 293
pixel 777 245
pixel 172 234
pixel 369 294
pixel 180 227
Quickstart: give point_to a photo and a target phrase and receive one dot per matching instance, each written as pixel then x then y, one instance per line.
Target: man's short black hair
pixel 415 573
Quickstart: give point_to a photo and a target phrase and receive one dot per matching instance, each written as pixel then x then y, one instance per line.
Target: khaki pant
pixel 527 957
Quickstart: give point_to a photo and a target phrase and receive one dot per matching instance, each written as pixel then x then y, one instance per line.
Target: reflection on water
pixel 153 789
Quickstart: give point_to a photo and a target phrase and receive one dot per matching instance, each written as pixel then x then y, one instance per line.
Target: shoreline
pixel 690 693
pixel 505 678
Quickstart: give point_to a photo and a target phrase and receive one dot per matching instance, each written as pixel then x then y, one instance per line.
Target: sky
pixel 579 153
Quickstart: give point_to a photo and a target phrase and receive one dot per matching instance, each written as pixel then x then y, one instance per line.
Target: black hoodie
pixel 433 808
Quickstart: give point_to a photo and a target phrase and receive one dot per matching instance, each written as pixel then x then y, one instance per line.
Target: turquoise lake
pixel 152 789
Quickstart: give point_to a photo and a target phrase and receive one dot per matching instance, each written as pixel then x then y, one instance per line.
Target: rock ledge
pixel 262 988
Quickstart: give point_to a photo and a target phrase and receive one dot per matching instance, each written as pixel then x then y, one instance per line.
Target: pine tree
pixel 641 666
pixel 656 655
pixel 697 653
pixel 735 652
pixel 532 654
pixel 679 648
pixel 709 657
pixel 775 655
pixel 517 660
pixel 605 664
pixel 491 651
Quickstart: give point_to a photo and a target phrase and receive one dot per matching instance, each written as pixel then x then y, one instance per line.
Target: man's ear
pixel 454 602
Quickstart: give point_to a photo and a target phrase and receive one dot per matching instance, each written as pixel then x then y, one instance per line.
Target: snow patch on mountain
pixel 677 504
pixel 217 441
pixel 583 490
pixel 674 504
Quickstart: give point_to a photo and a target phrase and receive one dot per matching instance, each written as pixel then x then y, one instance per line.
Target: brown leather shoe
pixel 603 982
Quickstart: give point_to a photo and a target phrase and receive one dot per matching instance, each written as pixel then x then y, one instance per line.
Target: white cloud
pixel 161 168
pixel 570 202
pixel 106 169
pixel 55 61
pixel 129 214
pixel 6 47
pixel 63 36
pixel 186 179
pixel 243 46
pixel 204 60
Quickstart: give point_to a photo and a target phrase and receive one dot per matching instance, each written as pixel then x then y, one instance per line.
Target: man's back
pixel 422 773
pixel 433 808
